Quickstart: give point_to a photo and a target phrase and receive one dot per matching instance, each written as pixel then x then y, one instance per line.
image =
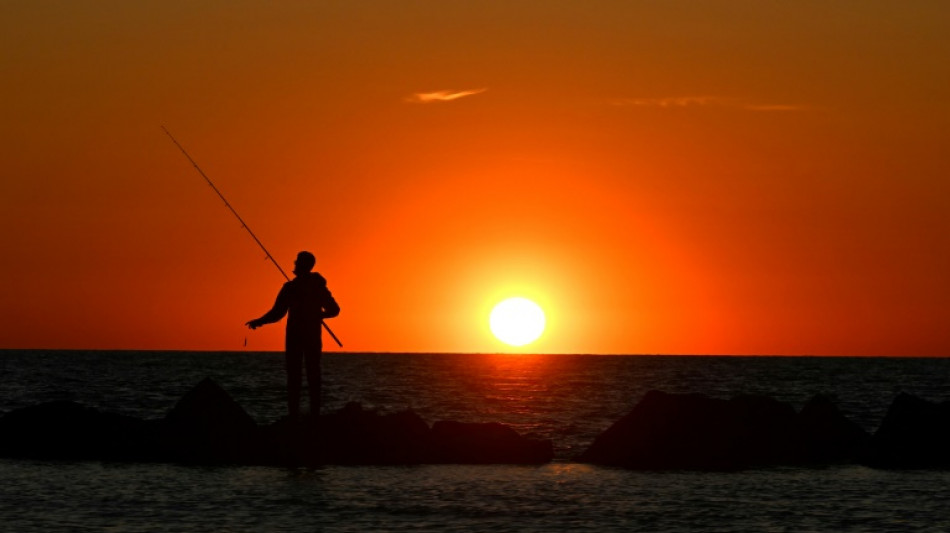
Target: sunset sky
pixel 662 177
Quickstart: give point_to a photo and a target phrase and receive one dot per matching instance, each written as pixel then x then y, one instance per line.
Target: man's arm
pixel 281 305
pixel 330 307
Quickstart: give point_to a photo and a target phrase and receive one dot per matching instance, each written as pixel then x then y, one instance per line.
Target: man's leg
pixel 294 361
pixel 314 380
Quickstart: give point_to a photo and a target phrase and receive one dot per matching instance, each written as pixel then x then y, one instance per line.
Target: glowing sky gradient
pixel 722 177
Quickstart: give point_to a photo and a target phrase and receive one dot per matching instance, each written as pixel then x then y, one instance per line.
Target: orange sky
pixel 741 177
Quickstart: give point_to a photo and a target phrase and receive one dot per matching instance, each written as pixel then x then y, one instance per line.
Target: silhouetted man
pixel 307 301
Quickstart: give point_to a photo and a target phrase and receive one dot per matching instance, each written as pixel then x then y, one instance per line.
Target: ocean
pixel 569 399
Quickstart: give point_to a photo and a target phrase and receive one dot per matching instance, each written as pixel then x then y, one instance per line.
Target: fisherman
pixel 307 301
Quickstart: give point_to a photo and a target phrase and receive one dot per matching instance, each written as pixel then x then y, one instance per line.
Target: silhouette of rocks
pixel 663 431
pixel 357 436
pixel 829 437
pixel 354 436
pixel 695 432
pixel 474 443
pixel 207 426
pixel 68 430
pixel 915 433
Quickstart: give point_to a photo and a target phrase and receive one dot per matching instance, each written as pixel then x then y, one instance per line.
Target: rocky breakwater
pixel 207 426
pixel 914 434
pixel 696 432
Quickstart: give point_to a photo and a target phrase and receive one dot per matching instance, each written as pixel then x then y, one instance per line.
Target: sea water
pixel 566 398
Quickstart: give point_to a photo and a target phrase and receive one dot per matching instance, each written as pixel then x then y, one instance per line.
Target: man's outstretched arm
pixel 276 313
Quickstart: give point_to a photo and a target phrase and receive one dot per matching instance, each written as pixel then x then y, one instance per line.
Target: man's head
pixel 304 263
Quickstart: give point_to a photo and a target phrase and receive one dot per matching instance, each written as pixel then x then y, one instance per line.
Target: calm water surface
pixel 569 399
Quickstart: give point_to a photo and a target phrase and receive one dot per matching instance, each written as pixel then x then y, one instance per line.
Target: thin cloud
pixel 703 101
pixel 670 101
pixel 775 107
pixel 441 96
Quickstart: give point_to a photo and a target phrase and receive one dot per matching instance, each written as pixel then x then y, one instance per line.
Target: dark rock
pixel 765 431
pixel 486 443
pixel 663 431
pixel 693 431
pixel 357 436
pixel 915 433
pixel 208 426
pixel 70 431
pixel 672 431
pixel 827 436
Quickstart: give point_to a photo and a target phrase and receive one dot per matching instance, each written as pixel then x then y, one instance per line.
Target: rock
pixel 356 436
pixel 827 436
pixel 765 431
pixel 208 426
pixel 693 431
pixel 70 431
pixel 486 443
pixel 684 431
pixel 915 433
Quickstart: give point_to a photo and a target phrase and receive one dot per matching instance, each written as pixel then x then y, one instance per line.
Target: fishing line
pixel 243 224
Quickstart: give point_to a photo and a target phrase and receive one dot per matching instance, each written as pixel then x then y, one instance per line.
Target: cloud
pixel 775 107
pixel 441 96
pixel 670 101
pixel 703 101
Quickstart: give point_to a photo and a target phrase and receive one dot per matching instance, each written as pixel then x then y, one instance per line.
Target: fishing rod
pixel 241 220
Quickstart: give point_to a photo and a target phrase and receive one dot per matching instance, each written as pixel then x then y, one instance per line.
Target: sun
pixel 517 321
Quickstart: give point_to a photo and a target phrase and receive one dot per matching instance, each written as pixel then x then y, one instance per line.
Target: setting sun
pixel 517 321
